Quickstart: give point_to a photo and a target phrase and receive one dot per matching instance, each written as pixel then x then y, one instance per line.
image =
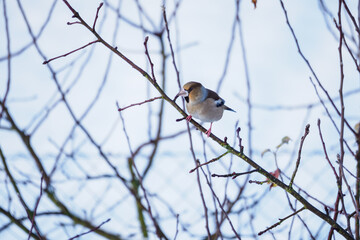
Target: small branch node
pixel 72 23
pixel 180 119
pixel 234 174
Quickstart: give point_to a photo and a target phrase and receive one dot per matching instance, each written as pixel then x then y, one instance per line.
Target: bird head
pixel 192 92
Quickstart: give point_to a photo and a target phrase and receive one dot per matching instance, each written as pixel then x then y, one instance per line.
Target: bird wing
pixel 218 100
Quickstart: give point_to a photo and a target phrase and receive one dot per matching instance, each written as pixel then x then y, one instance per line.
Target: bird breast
pixel 206 111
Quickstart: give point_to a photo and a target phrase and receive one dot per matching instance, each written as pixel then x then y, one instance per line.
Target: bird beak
pixel 182 93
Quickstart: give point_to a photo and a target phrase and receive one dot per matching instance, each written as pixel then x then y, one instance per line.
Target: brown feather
pixel 213 95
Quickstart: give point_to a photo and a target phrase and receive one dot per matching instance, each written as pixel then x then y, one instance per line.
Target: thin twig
pixel 307 130
pixel 171 47
pixel 355 24
pixel 177 226
pixel 140 103
pixel 91 230
pixel 247 77
pixel 309 65
pixel 71 52
pixel 36 206
pixel 234 174
pixel 148 56
pixel 158 231
pixel 325 152
pixel 18 193
pixel 211 161
pixel 97 15
pixel 221 206
pixel 281 220
pixel 342 121
pixel 241 147
pixel 8 47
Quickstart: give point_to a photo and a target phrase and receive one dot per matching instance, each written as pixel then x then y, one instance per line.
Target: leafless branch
pixel 73 51
pixel 140 103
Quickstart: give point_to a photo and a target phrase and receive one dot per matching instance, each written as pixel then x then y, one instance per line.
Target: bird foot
pixel 188 118
pixel 208 132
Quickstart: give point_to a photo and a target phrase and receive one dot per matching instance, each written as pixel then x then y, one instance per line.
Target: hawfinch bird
pixel 202 103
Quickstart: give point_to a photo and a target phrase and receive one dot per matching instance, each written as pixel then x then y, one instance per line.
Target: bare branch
pixel 206 163
pixel 140 103
pixel 281 220
pixel 71 52
pixel 91 230
pixel 234 174
pixel 97 15
pixel 307 130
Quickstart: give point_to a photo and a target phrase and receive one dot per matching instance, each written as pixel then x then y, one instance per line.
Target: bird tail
pixel 229 109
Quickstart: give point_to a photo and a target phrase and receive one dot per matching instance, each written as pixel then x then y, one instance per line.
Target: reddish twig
pixel 281 220
pixel 171 47
pixel 338 181
pixel 91 230
pixel 140 103
pixel 355 24
pixel 310 67
pixel 325 152
pixel 342 123
pixel 97 15
pixel 206 163
pixel 307 130
pixel 241 147
pixel 71 52
pixel 148 56
pixel 36 206
pixel 72 23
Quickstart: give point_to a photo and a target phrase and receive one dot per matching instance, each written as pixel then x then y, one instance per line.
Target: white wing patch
pixel 220 102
